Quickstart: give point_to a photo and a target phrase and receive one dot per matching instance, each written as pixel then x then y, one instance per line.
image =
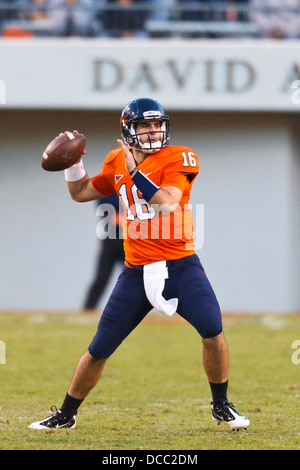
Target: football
pixel 65 150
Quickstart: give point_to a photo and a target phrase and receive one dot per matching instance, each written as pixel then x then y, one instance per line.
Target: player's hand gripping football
pixel 75 133
pixel 64 151
pixel 129 160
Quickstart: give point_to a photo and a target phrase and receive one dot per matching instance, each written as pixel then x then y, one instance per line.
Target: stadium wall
pixel 249 176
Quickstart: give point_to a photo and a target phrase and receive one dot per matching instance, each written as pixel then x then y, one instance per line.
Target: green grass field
pixel 153 394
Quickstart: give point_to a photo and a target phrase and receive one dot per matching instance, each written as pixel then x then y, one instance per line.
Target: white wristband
pixel 75 172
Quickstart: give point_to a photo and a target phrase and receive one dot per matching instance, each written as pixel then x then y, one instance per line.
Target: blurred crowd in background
pixel 151 18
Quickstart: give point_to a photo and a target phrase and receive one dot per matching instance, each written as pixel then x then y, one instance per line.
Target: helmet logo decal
pixel 152 114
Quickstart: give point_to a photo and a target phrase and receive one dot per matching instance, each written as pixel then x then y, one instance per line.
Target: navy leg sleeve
pixel 197 301
pixel 125 309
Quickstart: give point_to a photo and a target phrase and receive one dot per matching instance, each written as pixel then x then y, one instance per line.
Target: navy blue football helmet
pixel 143 109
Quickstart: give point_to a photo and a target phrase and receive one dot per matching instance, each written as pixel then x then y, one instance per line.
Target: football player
pixel 153 181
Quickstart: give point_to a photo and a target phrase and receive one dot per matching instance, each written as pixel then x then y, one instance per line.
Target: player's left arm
pixel 164 200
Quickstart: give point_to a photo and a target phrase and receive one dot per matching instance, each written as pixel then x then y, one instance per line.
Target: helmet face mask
pixel 142 110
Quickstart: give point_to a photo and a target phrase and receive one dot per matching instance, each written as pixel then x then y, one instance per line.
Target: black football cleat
pixel 57 420
pixel 225 412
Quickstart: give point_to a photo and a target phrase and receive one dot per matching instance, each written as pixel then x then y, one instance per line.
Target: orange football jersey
pixel 149 236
